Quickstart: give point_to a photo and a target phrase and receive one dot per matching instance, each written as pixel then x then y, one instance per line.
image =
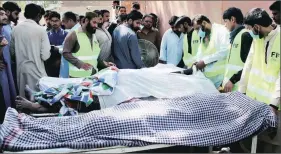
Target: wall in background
pixel 212 9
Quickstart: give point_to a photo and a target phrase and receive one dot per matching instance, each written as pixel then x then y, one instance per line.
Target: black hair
pixel 258 16
pixel 47 13
pixel 90 15
pixel 182 20
pixel 103 12
pixel 148 15
pixel 136 5
pixel 2 9
pixel 11 6
pixel 31 11
pixel 275 6
pixel 54 14
pixel 42 12
pixel 121 7
pixel 81 17
pixel 118 2
pixel 70 15
pixel 122 17
pixel 233 12
pixel 98 12
pixel 200 18
pixel 134 15
pixel 173 20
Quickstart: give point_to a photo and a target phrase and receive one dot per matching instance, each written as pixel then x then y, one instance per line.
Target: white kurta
pixel 31 46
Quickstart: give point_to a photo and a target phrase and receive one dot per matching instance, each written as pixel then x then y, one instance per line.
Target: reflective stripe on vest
pixel 87 53
pixel 234 63
pixel 216 68
pixel 188 58
pixel 262 77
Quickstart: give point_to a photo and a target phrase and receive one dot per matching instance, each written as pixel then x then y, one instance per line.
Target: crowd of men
pixel 241 55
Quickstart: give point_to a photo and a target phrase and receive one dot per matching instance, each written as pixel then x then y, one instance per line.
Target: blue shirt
pixel 57 38
pixel 171 49
pixel 126 52
pixel 64 66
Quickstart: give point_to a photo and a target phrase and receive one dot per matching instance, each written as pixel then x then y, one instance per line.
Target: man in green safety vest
pixel 240 40
pixel 260 78
pixel 191 40
pixel 213 49
pixel 81 48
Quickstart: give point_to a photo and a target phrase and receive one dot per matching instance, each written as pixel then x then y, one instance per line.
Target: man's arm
pixel 45 46
pixel 69 44
pixel 12 47
pixel 158 41
pixel 243 83
pixel 246 42
pixel 275 101
pixel 135 51
pixel 222 46
pixel 163 50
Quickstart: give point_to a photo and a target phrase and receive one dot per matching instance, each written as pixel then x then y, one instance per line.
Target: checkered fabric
pixel 195 120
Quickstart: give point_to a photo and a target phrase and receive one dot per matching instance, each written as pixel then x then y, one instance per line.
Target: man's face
pixel 106 17
pixel 13 16
pixel 100 22
pixel 181 28
pixel 204 27
pixel 92 25
pixel 55 22
pixel 134 24
pixel 256 30
pixel 196 26
pixel 68 24
pixel 229 24
pixel 147 22
pixel 276 16
pixel 3 18
pixel 122 11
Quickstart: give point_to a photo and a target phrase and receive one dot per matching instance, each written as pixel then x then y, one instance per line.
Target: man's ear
pixel 130 21
pixel 233 19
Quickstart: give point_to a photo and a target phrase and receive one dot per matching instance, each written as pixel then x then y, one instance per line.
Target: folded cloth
pixel 193 120
pixel 82 90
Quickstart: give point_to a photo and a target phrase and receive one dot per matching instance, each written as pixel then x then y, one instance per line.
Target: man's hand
pixel 200 65
pixel 87 66
pixel 108 64
pixel 228 87
pixel 4 42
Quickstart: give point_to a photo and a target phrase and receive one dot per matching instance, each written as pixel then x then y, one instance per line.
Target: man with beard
pixel 104 39
pixel 148 33
pixel 116 22
pixel 81 48
pixel 56 37
pixel 260 78
pixel 171 45
pixel 191 40
pixel 126 52
pixel 8 75
pixel 213 49
pixel 241 41
pixel 275 9
pixel 5 101
pixel 30 55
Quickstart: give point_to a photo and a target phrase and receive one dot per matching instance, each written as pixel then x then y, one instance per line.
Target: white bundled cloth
pixel 157 81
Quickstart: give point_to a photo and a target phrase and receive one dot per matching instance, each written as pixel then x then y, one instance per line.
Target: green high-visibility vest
pixel 87 54
pixel 263 76
pixel 217 68
pixel 234 63
pixel 188 58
